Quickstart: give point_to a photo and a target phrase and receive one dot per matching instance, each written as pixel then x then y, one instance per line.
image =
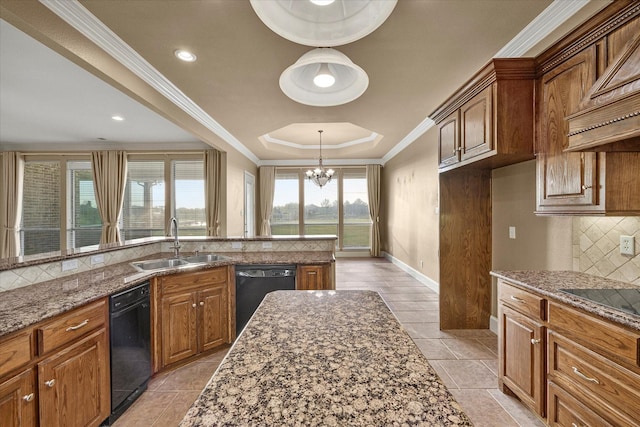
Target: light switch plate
pixel 512 232
pixel 627 245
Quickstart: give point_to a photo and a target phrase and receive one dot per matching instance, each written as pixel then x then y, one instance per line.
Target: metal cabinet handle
pixel 583 376
pixel 520 300
pixel 78 326
pixel 193 305
pixel 535 341
pixel 50 383
pixel 574 425
pixel 586 187
pixel 201 303
pixel 28 397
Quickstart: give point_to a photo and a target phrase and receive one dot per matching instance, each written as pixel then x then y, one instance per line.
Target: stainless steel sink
pixel 163 263
pixel 202 258
pixel 159 264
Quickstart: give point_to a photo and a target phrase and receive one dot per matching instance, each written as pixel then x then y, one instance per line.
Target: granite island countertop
pixel 28 305
pixel 549 283
pixel 324 358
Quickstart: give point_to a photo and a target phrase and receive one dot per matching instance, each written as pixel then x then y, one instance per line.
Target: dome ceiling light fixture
pixel 326 23
pixel 319 176
pixel 303 81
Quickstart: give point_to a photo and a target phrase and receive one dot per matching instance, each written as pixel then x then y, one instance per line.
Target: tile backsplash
pixel 596 247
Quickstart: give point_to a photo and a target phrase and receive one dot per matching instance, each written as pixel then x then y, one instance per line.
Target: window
pixel 286 203
pixel 321 207
pixel 341 207
pixel 144 200
pixel 84 225
pixel 40 229
pixel 356 231
pixel 188 196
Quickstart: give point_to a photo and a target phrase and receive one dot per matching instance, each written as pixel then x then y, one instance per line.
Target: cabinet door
pixel 449 140
pixel 566 181
pixel 74 384
pixel 522 357
pixel 212 304
pixel 18 400
pixel 566 410
pixel 475 125
pixel 179 333
pixel 311 277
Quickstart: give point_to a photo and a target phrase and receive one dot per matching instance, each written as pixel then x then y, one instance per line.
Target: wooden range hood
pixel 609 115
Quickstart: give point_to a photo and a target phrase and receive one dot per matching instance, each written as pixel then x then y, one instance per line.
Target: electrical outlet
pixel 512 232
pixel 267 245
pixel 70 264
pixel 97 259
pixel 236 245
pixel 627 245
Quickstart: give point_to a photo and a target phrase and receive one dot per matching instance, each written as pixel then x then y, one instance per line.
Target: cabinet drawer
pixel 566 410
pixel 69 326
pixel 603 384
pixel 16 351
pixel 185 281
pixel 601 336
pixel 521 300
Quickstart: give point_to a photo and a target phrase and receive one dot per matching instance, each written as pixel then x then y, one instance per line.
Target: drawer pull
pixel 516 299
pixel 535 341
pixel 78 326
pixel 28 397
pixel 193 305
pixel 50 383
pixel 583 376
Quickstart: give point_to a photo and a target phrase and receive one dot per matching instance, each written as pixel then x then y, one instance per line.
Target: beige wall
pixel 236 165
pixel 542 242
pixel 409 201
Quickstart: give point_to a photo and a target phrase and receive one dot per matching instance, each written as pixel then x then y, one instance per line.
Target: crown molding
pixel 304 163
pixel 76 15
pixel 416 133
pixel 370 138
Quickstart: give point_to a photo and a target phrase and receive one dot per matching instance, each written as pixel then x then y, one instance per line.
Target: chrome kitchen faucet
pixel 176 241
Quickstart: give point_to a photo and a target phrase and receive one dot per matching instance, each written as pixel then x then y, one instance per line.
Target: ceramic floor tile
pixel 434 349
pixel 147 409
pixel 520 413
pixel 174 413
pixel 424 330
pixel 490 343
pixel 483 409
pixel 492 364
pixel 413 305
pixel 469 348
pixel 443 374
pixel 470 373
pixel 417 316
pixel 190 377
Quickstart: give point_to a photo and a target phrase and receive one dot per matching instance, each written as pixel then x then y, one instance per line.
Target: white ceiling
pixel 230 99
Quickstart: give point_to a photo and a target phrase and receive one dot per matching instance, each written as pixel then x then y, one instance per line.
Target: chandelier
pixel 319 176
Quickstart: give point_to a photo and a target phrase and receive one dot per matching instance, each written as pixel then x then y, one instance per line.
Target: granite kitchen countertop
pixel 31 304
pixel 549 283
pixel 324 358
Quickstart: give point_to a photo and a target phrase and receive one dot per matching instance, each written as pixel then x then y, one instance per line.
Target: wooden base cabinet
pixel 56 373
pixel 74 384
pixel 194 313
pixel 521 344
pixel 18 400
pixel 314 277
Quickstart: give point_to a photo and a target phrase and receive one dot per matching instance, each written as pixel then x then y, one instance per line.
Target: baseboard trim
pixel 493 324
pixel 428 282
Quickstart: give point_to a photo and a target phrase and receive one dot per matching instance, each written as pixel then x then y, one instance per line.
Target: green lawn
pixel 354 235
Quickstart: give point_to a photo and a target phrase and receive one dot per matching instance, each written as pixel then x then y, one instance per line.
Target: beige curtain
pixel 12 174
pixel 212 191
pixel 373 189
pixel 109 181
pixel 267 187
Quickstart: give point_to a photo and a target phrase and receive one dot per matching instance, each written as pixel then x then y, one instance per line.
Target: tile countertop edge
pixel 26 306
pixel 549 283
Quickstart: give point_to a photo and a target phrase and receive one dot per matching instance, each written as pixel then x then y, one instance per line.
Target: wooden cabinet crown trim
pixel 616 15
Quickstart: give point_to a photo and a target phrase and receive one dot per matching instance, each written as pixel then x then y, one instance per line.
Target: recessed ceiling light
pixel 185 55
pixel 117 118
pixel 322 2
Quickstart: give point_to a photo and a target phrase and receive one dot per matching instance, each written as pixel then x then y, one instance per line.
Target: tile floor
pixel 466 360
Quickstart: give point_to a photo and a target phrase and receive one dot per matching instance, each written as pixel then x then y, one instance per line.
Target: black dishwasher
pixel 130 339
pixel 253 282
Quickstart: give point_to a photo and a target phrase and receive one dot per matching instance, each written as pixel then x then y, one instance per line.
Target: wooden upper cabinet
pixel 583 182
pixel 489 121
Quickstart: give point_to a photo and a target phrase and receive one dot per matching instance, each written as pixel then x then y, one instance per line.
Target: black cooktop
pixel 623 299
